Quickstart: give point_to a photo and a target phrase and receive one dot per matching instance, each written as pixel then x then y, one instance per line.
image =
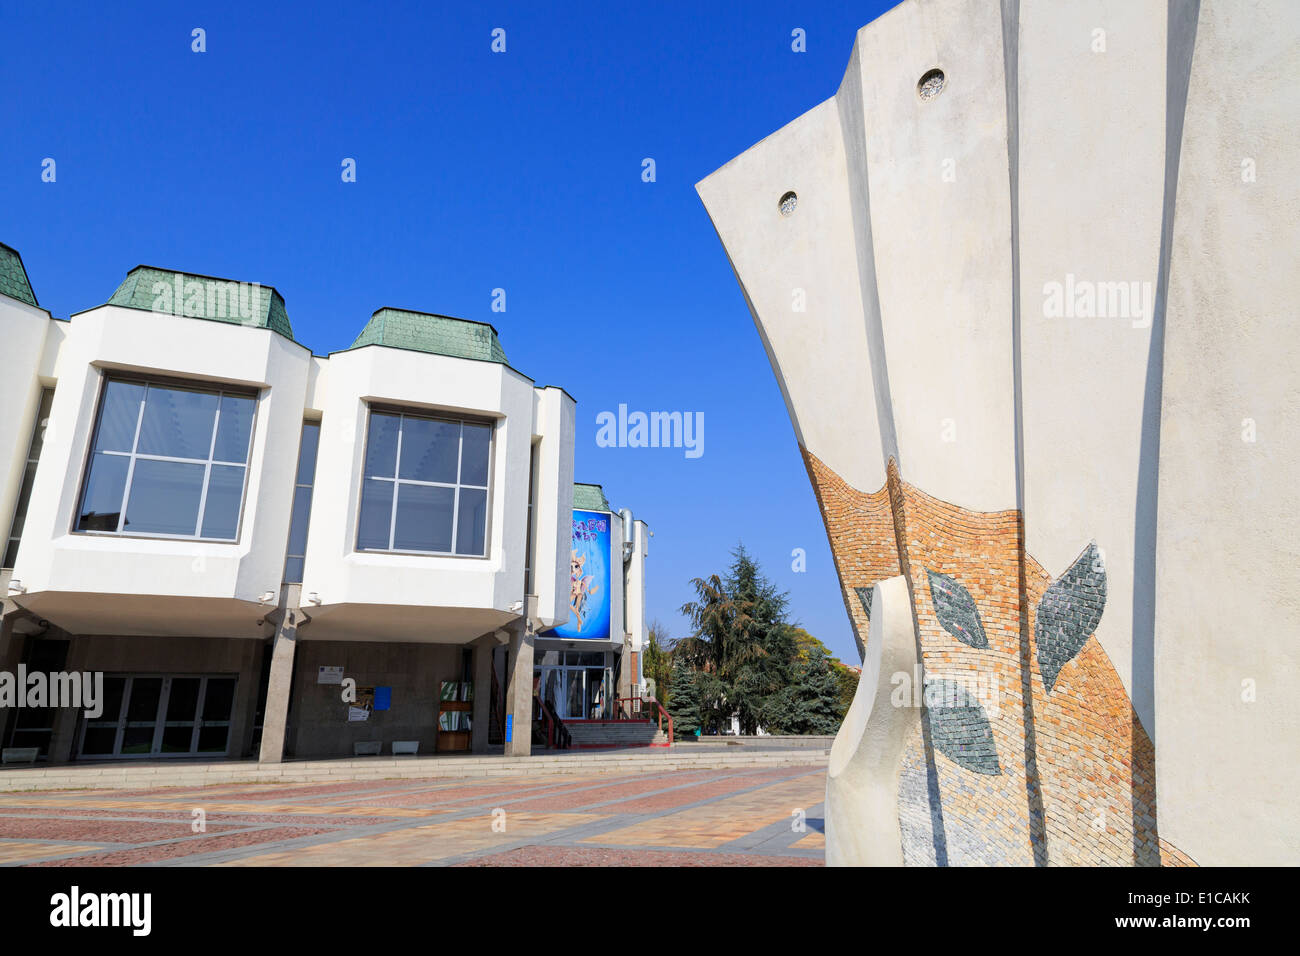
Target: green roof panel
pixel 13 276
pixel 589 498
pixel 426 332
pixel 194 296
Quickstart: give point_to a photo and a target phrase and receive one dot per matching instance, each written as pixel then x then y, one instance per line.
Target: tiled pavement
pixel 700 817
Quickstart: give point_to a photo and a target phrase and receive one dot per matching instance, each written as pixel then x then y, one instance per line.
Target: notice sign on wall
pixel 364 706
pixel 589 570
pixel 329 675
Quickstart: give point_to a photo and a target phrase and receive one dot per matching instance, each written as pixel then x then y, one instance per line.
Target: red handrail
pixel 636 705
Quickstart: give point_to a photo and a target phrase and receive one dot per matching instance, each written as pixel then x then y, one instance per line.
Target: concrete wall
pixel 319 717
pixel 1054 300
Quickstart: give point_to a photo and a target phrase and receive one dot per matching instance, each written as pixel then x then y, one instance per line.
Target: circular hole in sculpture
pixel 930 85
pixel 788 202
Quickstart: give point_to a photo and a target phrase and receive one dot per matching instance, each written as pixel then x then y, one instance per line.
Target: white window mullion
pixel 130 468
pixel 207 469
pixel 455 498
pixel 397 486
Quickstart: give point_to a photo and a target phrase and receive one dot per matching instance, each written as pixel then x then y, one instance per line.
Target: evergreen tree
pixel 810 703
pixel 684 705
pixel 745 659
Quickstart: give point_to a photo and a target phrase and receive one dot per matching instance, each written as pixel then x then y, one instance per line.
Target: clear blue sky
pixel 475 171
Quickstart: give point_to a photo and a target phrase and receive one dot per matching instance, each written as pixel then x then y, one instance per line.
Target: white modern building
pixel 272 553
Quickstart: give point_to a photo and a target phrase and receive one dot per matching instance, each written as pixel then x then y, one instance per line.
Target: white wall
pixel 339 574
pixel 555 417
pixel 634 586
pixel 1084 378
pixel 54 559
pixel 24 329
pixel 1227 638
pixel 941 249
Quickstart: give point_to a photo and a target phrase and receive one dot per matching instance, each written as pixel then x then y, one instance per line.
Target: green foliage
pixel 847 682
pixel 657 664
pixel 684 704
pixel 744 658
pixel 809 704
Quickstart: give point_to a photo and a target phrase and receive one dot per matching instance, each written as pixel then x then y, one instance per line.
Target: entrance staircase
pixel 590 734
pixel 638 722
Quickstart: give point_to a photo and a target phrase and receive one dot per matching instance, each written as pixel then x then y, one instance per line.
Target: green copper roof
pixel 589 498
pixel 197 296
pixel 425 332
pixel 13 276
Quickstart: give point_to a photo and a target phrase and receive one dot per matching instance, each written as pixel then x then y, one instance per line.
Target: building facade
pixel 271 553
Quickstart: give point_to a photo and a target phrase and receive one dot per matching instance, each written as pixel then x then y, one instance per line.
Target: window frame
pixel 108 376
pixel 437 415
pixel 310 488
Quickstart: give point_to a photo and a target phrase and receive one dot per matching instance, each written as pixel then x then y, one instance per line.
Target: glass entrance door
pixel 161 715
pixel 575 686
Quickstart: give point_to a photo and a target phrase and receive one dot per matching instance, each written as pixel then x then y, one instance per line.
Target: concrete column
pixel 626 666
pixel 519 692
pixel 64 735
pixel 483 648
pixel 275 718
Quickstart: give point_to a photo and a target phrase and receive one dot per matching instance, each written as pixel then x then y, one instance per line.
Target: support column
pixel 626 668
pixel 479 722
pixel 275 718
pixel 519 692
pixel 64 735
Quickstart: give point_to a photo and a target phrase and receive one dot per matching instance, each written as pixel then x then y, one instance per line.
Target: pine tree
pixel 684 705
pixel 810 703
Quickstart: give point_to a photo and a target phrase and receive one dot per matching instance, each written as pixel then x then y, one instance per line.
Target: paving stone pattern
pixel 705 817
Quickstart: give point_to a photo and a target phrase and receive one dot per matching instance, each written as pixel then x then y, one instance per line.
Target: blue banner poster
pixel 588 579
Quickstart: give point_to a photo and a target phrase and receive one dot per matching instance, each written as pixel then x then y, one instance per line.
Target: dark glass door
pixel 161 715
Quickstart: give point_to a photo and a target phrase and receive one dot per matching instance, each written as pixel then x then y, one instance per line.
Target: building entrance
pixel 576 683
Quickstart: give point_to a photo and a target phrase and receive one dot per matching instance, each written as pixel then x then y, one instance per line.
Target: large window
pixel 168 461
pixel 425 485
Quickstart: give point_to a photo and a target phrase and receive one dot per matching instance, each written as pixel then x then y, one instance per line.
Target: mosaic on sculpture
pixel 1037 517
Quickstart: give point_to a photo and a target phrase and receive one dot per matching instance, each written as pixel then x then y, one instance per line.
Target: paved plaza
pixel 742 816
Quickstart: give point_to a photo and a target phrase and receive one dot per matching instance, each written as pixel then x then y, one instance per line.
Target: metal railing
pixel 640 708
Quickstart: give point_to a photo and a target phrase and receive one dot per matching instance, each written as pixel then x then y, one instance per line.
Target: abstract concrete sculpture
pixel 1027 283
